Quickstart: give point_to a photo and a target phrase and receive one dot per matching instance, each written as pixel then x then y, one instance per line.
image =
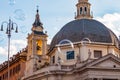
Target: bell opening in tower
pixel 39 47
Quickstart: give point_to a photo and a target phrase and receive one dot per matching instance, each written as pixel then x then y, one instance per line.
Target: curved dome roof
pixel 76 30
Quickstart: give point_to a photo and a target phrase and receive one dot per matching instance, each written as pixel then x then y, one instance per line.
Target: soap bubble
pixel 19 15
pixel 62 42
pixel 65 41
pixel 1 38
pixel 11 2
pixel 23 29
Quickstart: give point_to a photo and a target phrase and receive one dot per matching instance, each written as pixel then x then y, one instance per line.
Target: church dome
pixel 77 30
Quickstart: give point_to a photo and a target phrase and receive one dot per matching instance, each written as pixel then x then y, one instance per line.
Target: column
pixel 100 79
pixel 33 46
pixel 59 77
pixel 89 79
pixel 33 54
pixel 43 47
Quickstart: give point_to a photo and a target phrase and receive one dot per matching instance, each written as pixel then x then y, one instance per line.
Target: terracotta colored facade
pixel 17 67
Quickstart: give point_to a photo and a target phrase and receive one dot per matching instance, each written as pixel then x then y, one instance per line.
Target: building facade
pixel 16 68
pixel 84 49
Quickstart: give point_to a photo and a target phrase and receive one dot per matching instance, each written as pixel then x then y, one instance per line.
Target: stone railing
pixel 56 67
pixel 53 68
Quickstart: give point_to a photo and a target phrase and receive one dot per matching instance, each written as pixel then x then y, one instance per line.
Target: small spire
pixel 37 15
pixel 37 19
pixel 37 8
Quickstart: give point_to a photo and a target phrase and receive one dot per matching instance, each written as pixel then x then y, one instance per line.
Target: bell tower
pixel 83 10
pixel 37 46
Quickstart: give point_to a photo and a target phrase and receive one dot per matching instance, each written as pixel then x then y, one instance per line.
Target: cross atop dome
pixel 83 10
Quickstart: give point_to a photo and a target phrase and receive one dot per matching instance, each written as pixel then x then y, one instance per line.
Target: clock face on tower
pixel 39 47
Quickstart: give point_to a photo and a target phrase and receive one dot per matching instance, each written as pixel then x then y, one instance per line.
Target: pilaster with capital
pixel 100 79
pixel 33 46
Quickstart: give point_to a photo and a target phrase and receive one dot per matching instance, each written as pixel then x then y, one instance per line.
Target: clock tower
pixel 37 46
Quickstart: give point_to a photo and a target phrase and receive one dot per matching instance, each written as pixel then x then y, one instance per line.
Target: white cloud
pixel 15 46
pixel 49 40
pixel 112 21
pixel 2 51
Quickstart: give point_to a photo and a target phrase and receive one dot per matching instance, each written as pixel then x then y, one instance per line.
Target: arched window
pixel 81 10
pixel 85 10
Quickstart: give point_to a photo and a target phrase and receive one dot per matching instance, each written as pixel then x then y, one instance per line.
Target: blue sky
pixel 53 14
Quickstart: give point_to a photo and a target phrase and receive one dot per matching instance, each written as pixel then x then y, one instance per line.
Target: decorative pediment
pixel 108 61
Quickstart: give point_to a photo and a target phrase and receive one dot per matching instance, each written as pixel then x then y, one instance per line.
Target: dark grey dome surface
pixel 76 30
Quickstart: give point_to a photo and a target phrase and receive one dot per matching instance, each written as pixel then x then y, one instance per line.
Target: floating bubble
pixel 65 41
pixel 23 29
pixel 1 38
pixel 11 2
pixel 19 14
pixel 85 40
